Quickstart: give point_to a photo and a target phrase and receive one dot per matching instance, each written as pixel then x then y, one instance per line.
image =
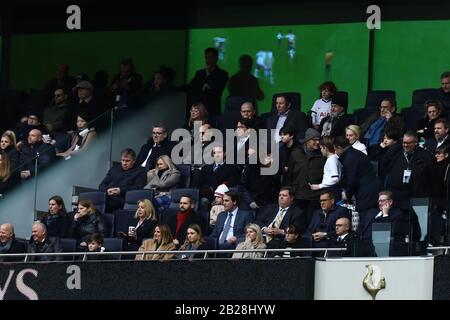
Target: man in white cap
pixel 217 204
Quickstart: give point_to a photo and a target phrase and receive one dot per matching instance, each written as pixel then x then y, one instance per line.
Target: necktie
pixel 276 223
pixel 216 166
pixel 339 240
pixel 226 228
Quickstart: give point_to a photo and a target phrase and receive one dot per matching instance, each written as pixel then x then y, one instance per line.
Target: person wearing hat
pixel 217 205
pixel 334 125
pixel 33 121
pixel 86 104
pixel 305 167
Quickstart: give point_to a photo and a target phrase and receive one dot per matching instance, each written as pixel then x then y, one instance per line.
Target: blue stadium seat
pixel 69 245
pixel 113 245
pixel 133 196
pixel 122 220
pixel 98 198
pixel 109 217
pixel 233 103
pixel 421 95
pixel 374 98
pixel 185 175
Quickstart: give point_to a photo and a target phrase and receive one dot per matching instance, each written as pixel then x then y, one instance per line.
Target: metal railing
pixel 205 253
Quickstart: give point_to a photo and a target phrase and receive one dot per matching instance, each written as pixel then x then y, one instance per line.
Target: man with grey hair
pixel 406 170
pixel 9 244
pixel 43 244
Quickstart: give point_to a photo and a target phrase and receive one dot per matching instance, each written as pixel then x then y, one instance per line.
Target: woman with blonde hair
pixel 352 133
pixel 253 240
pixel 163 179
pixel 141 226
pixel 162 241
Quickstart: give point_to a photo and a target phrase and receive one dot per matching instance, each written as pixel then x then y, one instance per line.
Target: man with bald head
pixel 9 244
pixel 35 148
pixel 43 244
pixel 343 237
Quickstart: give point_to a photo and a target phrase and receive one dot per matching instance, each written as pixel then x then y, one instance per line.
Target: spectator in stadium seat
pixel 8 145
pixel 287 116
pixel 162 82
pixel 144 221
pixel 62 79
pixel 292 240
pixel 128 83
pixel 324 220
pixel 122 178
pixel 34 149
pixel 407 170
pixel 55 116
pixel 198 113
pixel 87 221
pixel 208 84
pixel 164 178
pixel 81 138
pixel 9 177
pixel 155 147
pixel 343 237
pixel 185 216
pixel 56 220
pixel 441 177
pixel 433 111
pixel 194 241
pixel 9 244
pixel 273 219
pixel 253 240
pixel 334 124
pixel 33 121
pixel 353 134
pixel 379 122
pixel 444 91
pixel 162 241
pixel 440 137
pixel 95 244
pixel 378 152
pixel 217 205
pixel 42 243
pixel 244 83
pixel 322 107
pixel 231 223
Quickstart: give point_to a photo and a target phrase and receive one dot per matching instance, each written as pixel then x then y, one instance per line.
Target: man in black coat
pixel 274 219
pixel 43 244
pixel 343 237
pixel 406 170
pixel 122 178
pixel 208 84
pixel 34 149
pixel 286 116
pixel 9 244
pixel 358 176
pixel 157 146
pixel 334 125
pixel 441 137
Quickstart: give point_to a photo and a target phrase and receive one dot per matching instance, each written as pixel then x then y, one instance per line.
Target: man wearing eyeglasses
pixel 444 90
pixel 157 146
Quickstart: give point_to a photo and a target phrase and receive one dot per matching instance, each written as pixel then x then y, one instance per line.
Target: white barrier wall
pixel 394 278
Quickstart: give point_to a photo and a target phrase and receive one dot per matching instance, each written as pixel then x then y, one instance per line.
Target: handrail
pixel 26 255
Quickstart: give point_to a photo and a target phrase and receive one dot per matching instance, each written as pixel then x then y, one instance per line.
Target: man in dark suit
pixel 440 138
pixel 157 146
pixel 186 216
pixel 43 244
pixel 323 221
pixel 9 244
pixel 122 178
pixel 358 175
pixel 208 84
pixel 286 116
pixel 274 219
pixel 213 175
pixel 342 237
pixel 230 225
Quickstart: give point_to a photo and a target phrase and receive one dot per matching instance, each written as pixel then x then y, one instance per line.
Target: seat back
pixel 421 95
pixel 68 245
pixel 112 245
pixel 374 98
pixel 233 103
pixel 133 196
pixel 98 198
pixel 185 175
pixel 109 217
pixel 296 100
pixel 228 120
pixel 122 220
pixel 176 194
